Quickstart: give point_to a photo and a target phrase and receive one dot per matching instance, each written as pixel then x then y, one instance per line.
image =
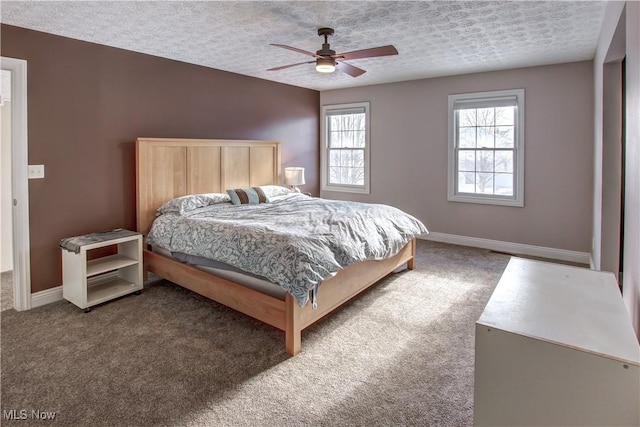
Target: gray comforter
pixel 295 241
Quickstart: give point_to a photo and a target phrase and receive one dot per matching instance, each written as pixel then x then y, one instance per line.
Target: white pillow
pixel 274 190
pixel 192 201
pixel 289 196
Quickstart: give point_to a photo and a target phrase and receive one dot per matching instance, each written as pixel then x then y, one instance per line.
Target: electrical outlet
pixel 36 171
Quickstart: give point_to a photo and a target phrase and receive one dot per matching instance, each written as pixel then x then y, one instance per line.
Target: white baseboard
pixel 511 248
pixel 46 297
pixel 55 294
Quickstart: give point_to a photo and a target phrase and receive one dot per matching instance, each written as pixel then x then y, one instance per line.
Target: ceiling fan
pixel 327 60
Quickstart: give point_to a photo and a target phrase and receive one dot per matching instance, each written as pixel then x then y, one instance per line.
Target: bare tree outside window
pixel 485 150
pixel 346 135
pixel 486 147
pixel 345 161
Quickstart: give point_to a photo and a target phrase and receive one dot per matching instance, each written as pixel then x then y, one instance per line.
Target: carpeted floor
pixel 401 354
pixel 6 290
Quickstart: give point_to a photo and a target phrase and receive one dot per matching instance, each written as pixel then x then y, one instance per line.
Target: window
pixel 345 147
pixel 486 147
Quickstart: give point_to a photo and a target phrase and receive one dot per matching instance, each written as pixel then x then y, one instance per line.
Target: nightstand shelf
pixel 114 288
pixel 90 282
pixel 108 263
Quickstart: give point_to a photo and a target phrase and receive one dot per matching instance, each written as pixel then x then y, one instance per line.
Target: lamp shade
pixel 294 176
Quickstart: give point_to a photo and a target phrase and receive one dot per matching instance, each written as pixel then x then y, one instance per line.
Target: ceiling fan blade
pixel 295 49
pixel 368 53
pixel 349 69
pixel 289 66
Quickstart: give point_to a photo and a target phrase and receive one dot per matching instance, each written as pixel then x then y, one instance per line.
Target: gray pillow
pixel 192 201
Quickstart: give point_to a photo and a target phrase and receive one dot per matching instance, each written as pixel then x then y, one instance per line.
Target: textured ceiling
pixel 434 38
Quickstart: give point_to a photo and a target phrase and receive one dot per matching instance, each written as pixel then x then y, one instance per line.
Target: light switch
pixel 36 171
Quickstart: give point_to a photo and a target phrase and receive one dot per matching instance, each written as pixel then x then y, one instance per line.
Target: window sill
pixel 486 200
pixel 345 189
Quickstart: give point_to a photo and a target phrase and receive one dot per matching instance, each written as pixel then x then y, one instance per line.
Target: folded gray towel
pixel 73 244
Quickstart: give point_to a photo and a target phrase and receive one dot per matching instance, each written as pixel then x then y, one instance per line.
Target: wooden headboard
pixel 167 168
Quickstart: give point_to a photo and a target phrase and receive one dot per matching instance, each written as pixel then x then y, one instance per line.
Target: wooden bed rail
pixel 285 315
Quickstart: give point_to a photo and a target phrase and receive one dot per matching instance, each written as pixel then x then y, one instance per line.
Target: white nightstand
pixel 88 283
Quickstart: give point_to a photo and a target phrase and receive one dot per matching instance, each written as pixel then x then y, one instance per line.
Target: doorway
pixel 612 166
pixel 6 199
pixel 623 172
pixel 19 193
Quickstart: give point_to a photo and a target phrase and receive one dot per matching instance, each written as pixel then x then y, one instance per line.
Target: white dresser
pixel 555 346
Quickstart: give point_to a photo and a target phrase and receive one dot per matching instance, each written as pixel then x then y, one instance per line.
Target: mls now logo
pixel 23 414
pixel 14 414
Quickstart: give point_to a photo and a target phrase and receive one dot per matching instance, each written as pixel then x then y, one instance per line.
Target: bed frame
pixel 169 168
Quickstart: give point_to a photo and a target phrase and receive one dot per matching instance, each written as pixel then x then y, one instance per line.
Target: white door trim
pixel 20 181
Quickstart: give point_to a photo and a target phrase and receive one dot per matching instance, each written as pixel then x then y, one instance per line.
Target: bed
pixel 167 169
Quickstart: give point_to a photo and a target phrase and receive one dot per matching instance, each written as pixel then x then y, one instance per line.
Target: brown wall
pixel 88 103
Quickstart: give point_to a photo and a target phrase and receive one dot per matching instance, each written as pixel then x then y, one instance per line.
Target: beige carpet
pixel 6 290
pixel 401 354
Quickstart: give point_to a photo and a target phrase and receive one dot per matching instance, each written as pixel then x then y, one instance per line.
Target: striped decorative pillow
pixel 247 196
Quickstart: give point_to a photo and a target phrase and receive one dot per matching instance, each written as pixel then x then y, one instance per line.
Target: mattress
pixel 226 271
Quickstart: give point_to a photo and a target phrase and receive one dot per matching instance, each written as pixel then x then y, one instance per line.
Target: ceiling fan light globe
pixel 325 68
pixel 325 65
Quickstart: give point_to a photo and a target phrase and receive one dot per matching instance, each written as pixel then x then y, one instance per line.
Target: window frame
pixel 454 195
pixel 325 150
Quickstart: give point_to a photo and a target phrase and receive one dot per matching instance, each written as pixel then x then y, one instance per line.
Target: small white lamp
pixel 294 176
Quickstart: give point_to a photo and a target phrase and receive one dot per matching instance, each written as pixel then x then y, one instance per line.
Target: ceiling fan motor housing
pixel 325 51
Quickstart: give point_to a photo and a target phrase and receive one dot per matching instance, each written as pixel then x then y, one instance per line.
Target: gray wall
pixel 622 19
pixel 409 154
pixel 631 283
